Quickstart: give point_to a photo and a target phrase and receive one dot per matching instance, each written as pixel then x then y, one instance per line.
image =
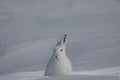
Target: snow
pixel 112 71
pixel 29 30
pixel 104 74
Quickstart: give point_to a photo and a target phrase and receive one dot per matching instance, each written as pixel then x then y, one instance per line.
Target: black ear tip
pixel 65 34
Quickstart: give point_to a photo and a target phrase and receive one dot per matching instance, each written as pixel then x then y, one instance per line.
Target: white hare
pixel 59 64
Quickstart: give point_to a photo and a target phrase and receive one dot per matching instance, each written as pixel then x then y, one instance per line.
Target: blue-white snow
pixel 29 30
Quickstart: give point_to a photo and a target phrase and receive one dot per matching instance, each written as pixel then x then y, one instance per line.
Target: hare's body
pixel 59 64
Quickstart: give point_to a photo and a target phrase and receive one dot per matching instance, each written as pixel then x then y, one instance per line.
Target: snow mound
pixel 112 71
pixel 106 73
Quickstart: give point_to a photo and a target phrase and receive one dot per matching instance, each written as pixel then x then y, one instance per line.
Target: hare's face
pixel 60 47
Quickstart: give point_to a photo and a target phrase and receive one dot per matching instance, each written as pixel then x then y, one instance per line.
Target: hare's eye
pixel 61 49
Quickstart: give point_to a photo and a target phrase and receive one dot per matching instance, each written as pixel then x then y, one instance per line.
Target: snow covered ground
pixel 29 30
pixel 102 74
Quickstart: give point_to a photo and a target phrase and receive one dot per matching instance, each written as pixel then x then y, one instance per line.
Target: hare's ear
pixel 58 43
pixel 64 39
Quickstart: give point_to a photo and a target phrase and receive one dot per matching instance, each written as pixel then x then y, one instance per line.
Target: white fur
pixel 59 64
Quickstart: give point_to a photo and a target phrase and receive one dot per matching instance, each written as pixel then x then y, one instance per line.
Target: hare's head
pixel 60 46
